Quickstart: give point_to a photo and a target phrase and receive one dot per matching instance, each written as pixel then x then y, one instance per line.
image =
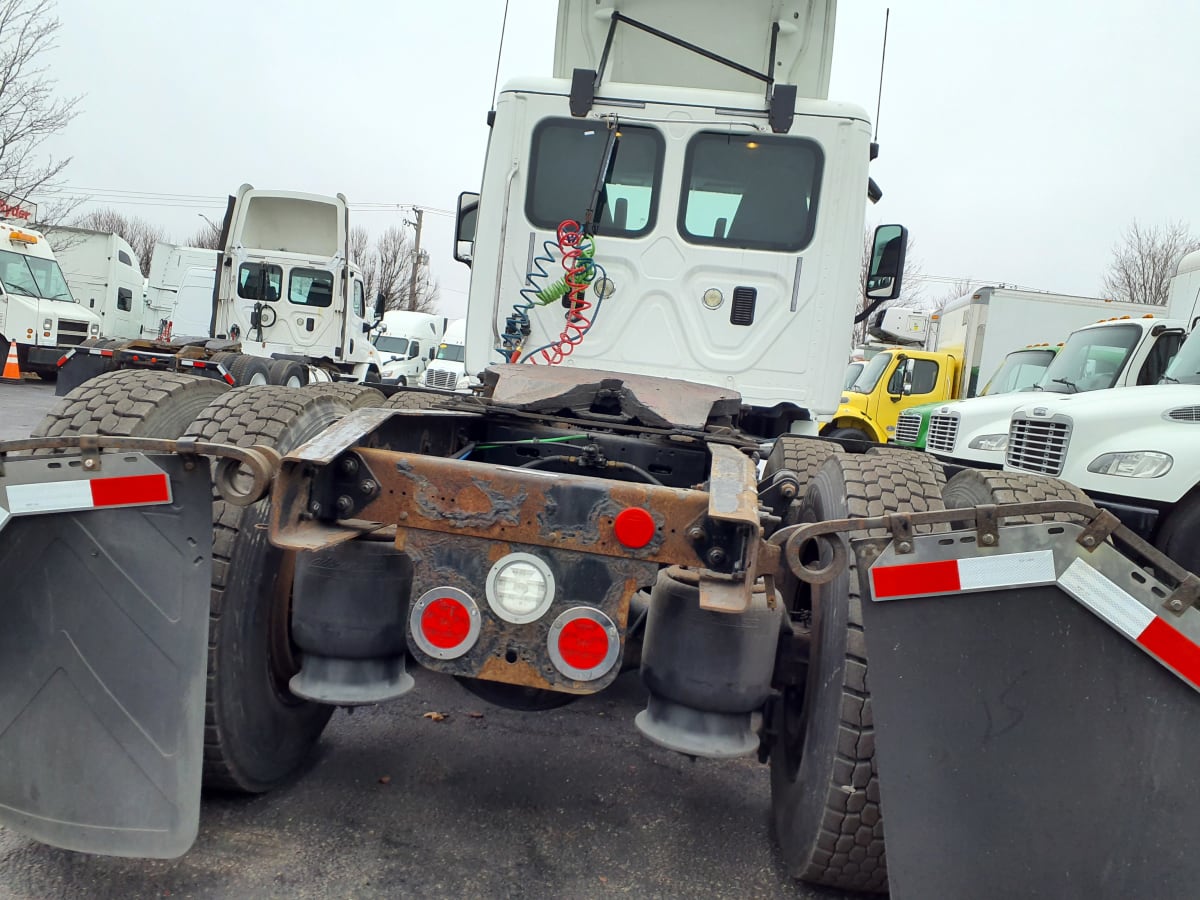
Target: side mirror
pixel 464 227
pixel 380 302
pixel 887 262
pixel 432 354
pixel 366 327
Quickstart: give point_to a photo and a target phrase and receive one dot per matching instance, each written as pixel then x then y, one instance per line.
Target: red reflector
pixel 1173 648
pixel 62 360
pixel 106 353
pixel 229 379
pixel 130 490
pixel 916 578
pixel 634 527
pixel 445 623
pixel 583 644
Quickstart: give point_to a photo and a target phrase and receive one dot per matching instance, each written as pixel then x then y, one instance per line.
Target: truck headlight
pixel 95 329
pixel 47 324
pixel 990 442
pixel 1135 464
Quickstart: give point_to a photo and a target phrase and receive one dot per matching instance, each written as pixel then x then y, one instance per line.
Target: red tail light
pixel 445 623
pixel 584 644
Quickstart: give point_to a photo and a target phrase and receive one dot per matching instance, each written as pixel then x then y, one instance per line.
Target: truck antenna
pixel 882 58
pixel 499 53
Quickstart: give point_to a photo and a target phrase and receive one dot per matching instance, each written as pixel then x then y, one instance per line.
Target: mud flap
pixel 1036 724
pixel 103 641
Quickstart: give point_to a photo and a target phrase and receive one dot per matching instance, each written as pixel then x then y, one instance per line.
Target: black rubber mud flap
pixel 82 366
pixel 1037 740
pixel 103 636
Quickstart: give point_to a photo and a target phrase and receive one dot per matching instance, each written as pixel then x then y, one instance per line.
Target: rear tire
pixel 849 434
pixel 357 395
pixel 286 373
pixel 415 400
pixel 1179 536
pixel 824 783
pixel 131 403
pixel 976 487
pixel 256 732
pixel 249 370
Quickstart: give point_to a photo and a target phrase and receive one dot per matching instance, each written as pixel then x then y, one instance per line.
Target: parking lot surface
pixel 485 802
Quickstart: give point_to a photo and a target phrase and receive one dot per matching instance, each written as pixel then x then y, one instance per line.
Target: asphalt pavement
pixel 479 802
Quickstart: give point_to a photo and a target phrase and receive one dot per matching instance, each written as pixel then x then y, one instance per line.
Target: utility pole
pixel 416 258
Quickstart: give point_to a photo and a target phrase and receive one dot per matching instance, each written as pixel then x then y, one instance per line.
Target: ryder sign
pixel 13 208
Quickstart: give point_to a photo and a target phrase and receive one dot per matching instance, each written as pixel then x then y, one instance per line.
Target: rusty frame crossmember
pixel 1099 526
pixel 338 487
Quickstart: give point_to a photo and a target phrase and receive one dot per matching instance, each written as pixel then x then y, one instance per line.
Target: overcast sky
pixel 1018 140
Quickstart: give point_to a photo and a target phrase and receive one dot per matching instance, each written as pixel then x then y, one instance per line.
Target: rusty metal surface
pixel 733 486
pixel 659 402
pixel 531 506
pixel 517 653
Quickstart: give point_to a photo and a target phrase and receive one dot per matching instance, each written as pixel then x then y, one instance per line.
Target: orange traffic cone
pixel 12 370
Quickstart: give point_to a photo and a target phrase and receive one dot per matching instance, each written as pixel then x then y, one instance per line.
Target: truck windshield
pixel 452 352
pixel 852 372
pixel 564 162
pixel 33 277
pixel 869 377
pixel 750 191
pixel 1091 360
pixel 397 346
pixel 1020 371
pixel 1185 367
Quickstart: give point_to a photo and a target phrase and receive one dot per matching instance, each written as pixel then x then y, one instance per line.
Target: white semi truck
pixel 286 306
pixel 447 370
pixel 105 276
pixel 407 341
pixel 1133 450
pixel 37 311
pixel 179 290
pixel 598 500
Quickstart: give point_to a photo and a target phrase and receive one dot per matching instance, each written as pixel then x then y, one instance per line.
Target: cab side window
pixel 1159 358
pixel 360 303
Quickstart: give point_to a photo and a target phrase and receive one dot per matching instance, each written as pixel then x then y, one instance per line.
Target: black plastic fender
pixel 103 640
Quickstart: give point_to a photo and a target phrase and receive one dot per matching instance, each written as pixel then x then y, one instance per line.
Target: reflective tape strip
pixel 1123 611
pixel 952 575
pixel 98 493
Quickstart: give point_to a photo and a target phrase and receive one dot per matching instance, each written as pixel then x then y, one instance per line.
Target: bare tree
pixel 387 269
pixel 1145 259
pixel 959 287
pixel 206 237
pixel 142 235
pixel 29 110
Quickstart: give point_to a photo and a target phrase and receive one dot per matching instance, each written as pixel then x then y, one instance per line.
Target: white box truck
pixel 179 290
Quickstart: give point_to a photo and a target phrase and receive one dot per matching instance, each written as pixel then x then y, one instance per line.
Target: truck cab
pixel 37 310
pixel 1132 450
pixel 1115 352
pixel 704 233
pixel 407 341
pixel 447 370
pixel 105 276
pixel 286 287
pixel 1021 371
pixel 892 382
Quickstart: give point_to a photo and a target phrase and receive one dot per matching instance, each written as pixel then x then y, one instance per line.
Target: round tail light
pixel 445 623
pixel 584 644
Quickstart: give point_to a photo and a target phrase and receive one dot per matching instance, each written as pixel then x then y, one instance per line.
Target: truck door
pixel 124 305
pixel 913 382
pixel 698 239
pixel 314 321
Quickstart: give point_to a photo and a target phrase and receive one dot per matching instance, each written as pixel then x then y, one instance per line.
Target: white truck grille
pixel 1038 445
pixel 71 332
pixel 908 427
pixel 943 432
pixel 439 378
